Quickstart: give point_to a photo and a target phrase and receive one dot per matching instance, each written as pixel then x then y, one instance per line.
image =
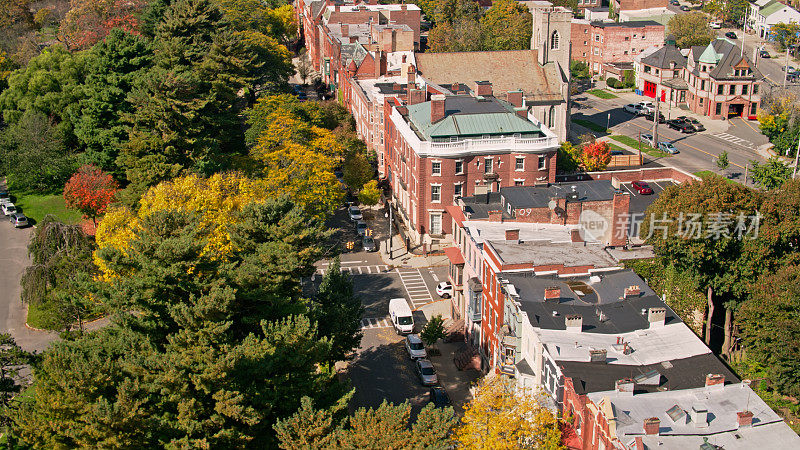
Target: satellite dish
pixel 552 204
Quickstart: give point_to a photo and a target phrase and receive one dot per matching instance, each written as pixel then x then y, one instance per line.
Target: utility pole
pixel 655 122
pixel 786 69
pixel 389 241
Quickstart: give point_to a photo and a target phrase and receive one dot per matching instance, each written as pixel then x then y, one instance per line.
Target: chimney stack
pixel 552 294
pixel 454 88
pixel 411 76
pixel 512 235
pixel 598 356
pixel 495 216
pixel 574 323
pixel 716 380
pixel 699 417
pixel 632 291
pixel 575 236
pixel 345 30
pixel 657 317
pixel 522 112
pixel 437 107
pixel 483 89
pixel 624 386
pixel 416 96
pixel 651 426
pixel 744 418
pixel 515 98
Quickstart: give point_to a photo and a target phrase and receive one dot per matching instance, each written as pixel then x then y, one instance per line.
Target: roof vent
pixel 624 386
pixel 574 323
pixel 555 313
pixel 657 317
pixel 597 356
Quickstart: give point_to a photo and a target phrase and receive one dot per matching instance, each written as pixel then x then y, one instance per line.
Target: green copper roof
pixel 468 117
pixel 710 56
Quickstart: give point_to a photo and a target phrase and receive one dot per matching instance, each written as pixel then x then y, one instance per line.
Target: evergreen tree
pixel 338 311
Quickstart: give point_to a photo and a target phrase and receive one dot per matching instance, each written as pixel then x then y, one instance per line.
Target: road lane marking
pixel 375 322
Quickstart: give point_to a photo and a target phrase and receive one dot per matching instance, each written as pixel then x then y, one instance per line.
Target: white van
pixel 401 316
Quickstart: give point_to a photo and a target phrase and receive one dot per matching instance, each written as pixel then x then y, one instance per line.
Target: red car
pixel 642 187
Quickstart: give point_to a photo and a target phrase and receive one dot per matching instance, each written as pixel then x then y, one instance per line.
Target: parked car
pixel 426 372
pixel 19 220
pixel 4 196
pixel 354 213
pixel 684 8
pixel 8 208
pixel 617 152
pixel 632 108
pixel 788 69
pixel 730 35
pixel 642 187
pixel 693 122
pixel 368 244
pixel 444 289
pixel 674 2
pixel 646 106
pixel 715 25
pixel 361 227
pixel 415 347
pixel 401 316
pixel 648 139
pixel 764 54
pixel 650 114
pixel 680 125
pixel 439 397
pixel 666 146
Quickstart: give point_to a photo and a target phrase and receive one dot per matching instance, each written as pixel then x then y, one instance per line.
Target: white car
pixel 647 106
pixel 444 289
pixel 633 108
pixel 354 213
pixel 8 208
pixel 648 139
pixel 415 347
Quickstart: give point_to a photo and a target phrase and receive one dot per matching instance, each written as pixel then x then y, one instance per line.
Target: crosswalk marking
pixel 375 322
pixel 733 139
pixel 358 270
pixel 415 286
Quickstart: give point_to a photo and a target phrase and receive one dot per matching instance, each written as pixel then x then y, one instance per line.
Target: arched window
pixel 550 115
pixel 554 38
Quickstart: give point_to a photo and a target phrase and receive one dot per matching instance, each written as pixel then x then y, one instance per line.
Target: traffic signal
pixel 368 232
pixel 349 245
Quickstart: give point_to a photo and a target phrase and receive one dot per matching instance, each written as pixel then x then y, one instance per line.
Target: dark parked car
pixel 649 116
pixel 642 187
pixel 764 54
pixel 730 35
pixel 681 126
pixel 684 8
pixel 439 397
pixel 693 122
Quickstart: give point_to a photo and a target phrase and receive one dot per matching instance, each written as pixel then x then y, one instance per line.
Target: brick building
pixel 600 44
pixel 636 5
pixel 454 145
pixel 717 80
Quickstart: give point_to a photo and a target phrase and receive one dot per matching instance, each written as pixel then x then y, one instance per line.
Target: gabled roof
pixel 728 56
pixel 771 8
pixel 662 58
pixel 353 53
pixel 507 71
pixel 709 55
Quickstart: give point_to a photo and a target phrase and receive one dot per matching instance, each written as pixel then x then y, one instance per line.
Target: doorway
pixel 735 110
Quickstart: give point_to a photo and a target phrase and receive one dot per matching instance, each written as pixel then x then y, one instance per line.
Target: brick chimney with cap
pixel 632 291
pixel 744 418
pixel 345 29
pixel 624 386
pixel 651 426
pixel 496 215
pixel 515 98
pixel 411 76
pixel 483 88
pixel 437 108
pixel 512 235
pixel 552 293
pixel 715 380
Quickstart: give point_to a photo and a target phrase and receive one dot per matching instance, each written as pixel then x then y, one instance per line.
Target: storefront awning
pixel 454 255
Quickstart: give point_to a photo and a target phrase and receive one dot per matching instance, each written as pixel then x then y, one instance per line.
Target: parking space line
pixel 629 189
pixel 659 186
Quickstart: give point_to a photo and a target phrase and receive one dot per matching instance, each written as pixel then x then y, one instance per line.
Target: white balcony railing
pixel 468 146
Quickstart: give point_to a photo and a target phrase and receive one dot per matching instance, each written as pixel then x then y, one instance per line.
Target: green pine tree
pixel 338 311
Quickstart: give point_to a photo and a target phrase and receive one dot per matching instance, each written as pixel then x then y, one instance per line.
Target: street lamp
pixel 608 123
pixel 389 241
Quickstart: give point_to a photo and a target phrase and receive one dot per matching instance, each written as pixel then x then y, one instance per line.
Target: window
pixel 459 167
pixel 585 30
pixel 585 43
pixel 703 68
pixel 519 163
pixel 753 107
pixel 656 69
pixel 646 69
pixel 719 108
pixel 436 223
pixel 596 51
pixel 542 162
pixel 733 89
pixel 625 52
pixel 487 165
pixel 627 38
pixel 744 89
pixel 518 183
pixel 584 54
pixel 436 193
pixel 644 37
pixel 457 189
pixel 436 168
pixel 554 40
pixel 551 117
pixel 720 89
pixel 597 38
pixel 703 85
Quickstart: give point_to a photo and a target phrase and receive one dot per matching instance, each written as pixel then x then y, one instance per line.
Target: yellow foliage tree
pixel 214 199
pixel 500 417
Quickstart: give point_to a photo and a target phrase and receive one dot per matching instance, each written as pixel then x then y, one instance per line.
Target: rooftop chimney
pixel 345 30
pixel 744 418
pixel 624 386
pixel 575 236
pixel 416 96
pixel 657 316
pixel 403 7
pixel 574 323
pixel 515 98
pixel 552 294
pixel 716 380
pixel 651 425
pixel 411 76
pixel 699 416
pixel 495 216
pixel 632 291
pixel 483 89
pixel 454 88
pixel 437 107
pixel 597 356
pixel 522 112
pixel 404 59
pixel 512 235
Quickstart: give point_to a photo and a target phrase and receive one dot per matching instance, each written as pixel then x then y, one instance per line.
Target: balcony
pixel 489 145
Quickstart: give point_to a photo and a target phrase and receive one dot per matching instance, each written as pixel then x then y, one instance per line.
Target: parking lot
pixel 640 202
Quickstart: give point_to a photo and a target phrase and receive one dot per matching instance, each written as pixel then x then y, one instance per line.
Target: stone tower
pixel 551 34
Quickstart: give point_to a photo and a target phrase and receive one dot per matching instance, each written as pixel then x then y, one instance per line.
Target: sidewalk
pixel 401 257
pixel 456 382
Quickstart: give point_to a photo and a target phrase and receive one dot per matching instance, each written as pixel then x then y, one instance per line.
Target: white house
pixel 763 14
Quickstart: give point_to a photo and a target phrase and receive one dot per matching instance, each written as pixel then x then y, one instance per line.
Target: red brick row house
pixel 601 44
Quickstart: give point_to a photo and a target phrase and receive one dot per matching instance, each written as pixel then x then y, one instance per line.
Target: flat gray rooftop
pixel 541 253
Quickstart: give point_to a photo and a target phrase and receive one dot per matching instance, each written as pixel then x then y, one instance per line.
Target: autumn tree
pixel 370 194
pixel 90 21
pixel 785 34
pixel 90 191
pixel 569 156
pixel 691 29
pixel 500 416
pixel 506 26
pixel 595 156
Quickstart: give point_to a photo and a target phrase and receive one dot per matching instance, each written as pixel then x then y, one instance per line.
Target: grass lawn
pixel 590 125
pixel 601 94
pixel 38 317
pixel 614 146
pixel 36 206
pixel 703 174
pixel 631 142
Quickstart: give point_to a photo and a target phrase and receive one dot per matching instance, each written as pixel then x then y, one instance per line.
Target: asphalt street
pixel 698 151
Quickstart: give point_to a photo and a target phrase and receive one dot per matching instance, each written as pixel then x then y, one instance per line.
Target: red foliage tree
pixel 90 191
pixel 90 21
pixel 595 156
